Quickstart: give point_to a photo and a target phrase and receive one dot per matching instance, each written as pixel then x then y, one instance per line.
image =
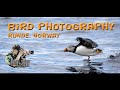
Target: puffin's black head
pixel 79 39
pixel 70 48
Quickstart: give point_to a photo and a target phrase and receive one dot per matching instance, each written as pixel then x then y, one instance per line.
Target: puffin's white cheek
pixel 70 49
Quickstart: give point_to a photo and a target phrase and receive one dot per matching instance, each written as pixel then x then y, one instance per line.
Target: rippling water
pixel 49 56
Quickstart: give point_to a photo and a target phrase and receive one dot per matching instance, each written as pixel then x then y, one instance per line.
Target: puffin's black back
pixel 86 42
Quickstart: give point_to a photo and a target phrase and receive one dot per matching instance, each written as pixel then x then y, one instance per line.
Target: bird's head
pixel 70 48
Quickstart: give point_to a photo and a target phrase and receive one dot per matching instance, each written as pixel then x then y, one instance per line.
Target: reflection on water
pixel 88 67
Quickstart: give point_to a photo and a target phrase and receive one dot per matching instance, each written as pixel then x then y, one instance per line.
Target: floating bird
pixel 86 47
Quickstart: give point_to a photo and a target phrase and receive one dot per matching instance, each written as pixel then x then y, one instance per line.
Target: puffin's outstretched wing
pixel 86 42
pixel 91 42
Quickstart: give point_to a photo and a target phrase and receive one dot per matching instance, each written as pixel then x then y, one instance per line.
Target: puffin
pixel 85 47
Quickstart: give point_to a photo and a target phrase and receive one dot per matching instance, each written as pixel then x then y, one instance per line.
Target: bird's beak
pixel 65 50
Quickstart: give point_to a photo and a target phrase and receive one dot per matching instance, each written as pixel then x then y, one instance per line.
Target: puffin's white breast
pixel 82 50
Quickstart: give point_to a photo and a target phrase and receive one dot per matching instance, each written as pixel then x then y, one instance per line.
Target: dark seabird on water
pixel 86 47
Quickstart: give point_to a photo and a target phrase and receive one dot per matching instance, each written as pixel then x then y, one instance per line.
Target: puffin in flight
pixel 86 47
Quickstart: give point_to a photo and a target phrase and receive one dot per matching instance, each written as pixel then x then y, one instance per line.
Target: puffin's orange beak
pixel 65 50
